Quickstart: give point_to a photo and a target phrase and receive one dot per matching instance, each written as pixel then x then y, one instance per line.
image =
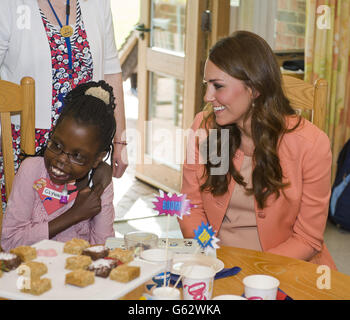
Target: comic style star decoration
pixel 205 236
pixel 172 204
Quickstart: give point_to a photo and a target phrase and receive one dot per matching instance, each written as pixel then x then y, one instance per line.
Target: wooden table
pixel 298 279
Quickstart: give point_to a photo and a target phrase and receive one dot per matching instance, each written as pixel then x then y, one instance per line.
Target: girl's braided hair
pixel 90 103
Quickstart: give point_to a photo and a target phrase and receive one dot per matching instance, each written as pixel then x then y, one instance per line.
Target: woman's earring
pixel 253 104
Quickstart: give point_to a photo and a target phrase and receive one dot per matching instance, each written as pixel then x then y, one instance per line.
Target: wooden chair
pixel 16 99
pixel 310 100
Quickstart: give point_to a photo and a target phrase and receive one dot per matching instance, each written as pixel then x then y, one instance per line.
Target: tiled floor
pixel 133 199
pixel 134 209
pixel 133 203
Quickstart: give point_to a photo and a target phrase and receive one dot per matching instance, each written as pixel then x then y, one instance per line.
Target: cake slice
pixel 78 262
pixel 38 286
pixel 36 269
pixel 26 253
pixel 96 252
pixel 80 278
pixel 102 267
pixel 124 256
pixel 75 246
pixel 125 273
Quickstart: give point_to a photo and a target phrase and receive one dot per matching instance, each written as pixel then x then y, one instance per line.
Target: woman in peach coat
pixel 256 172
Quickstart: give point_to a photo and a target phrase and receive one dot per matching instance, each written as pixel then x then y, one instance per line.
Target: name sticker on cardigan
pixel 50 194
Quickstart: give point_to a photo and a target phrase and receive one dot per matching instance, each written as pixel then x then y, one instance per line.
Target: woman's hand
pixel 119 160
pixel 120 155
pixel 102 175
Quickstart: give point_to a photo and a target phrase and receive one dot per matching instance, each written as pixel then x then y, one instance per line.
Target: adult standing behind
pixel 33 43
pixel 270 189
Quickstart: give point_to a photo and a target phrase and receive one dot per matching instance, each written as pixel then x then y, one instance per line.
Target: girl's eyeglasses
pixel 76 158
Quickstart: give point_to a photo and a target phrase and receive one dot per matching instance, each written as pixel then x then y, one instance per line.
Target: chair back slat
pixel 16 99
pixel 309 100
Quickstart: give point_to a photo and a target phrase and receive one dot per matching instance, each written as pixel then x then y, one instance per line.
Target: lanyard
pixel 66 32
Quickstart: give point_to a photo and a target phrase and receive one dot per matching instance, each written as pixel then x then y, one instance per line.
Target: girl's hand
pixel 87 205
pixel 88 202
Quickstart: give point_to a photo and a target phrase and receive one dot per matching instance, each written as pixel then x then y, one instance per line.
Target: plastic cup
pixel 158 256
pixel 229 297
pixel 166 293
pixel 197 282
pixel 138 241
pixel 260 287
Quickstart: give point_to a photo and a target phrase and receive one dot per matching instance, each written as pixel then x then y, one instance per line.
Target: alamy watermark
pixel 23 20
pixel 324 17
pixel 324 280
pixel 23 281
pixel 173 146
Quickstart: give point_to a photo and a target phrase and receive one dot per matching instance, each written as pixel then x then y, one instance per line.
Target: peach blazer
pixel 291 225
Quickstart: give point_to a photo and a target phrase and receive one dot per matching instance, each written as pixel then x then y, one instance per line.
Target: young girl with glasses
pixel 53 196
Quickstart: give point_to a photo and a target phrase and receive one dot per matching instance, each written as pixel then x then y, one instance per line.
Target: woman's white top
pixel 25 51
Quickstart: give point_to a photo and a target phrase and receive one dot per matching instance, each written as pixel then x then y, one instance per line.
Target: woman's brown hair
pixel 247 57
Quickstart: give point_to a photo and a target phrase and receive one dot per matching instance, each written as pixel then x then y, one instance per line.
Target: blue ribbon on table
pixel 224 273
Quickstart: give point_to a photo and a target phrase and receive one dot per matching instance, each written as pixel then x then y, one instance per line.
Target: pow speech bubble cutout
pixel 173 205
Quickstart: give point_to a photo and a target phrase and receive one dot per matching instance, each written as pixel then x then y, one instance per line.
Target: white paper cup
pixel 229 297
pixel 158 256
pixel 166 293
pixel 260 287
pixel 197 282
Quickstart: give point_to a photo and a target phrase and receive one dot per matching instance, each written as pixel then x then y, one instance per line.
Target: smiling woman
pixel 230 98
pixel 274 193
pixel 82 137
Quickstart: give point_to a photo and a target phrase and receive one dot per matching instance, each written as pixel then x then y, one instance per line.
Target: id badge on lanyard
pixel 66 32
